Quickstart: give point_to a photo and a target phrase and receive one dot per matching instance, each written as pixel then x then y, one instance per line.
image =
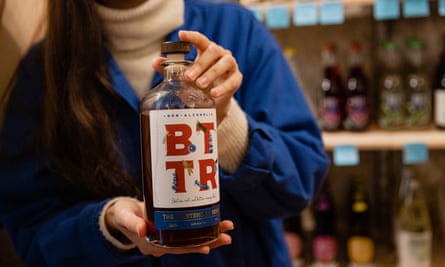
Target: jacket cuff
pixel 106 233
pixel 232 138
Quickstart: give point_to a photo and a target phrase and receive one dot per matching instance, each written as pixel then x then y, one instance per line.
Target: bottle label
pixel 419 110
pixel 325 248
pixel 414 249
pixel 188 219
pixel 357 112
pixel 391 110
pixel 439 105
pixel 360 250
pixel 184 159
pixel 331 113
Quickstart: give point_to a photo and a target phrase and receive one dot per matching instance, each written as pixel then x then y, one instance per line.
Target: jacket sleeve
pixel 285 162
pixel 46 219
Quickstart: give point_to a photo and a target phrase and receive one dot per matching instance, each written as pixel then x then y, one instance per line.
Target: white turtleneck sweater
pixel 133 37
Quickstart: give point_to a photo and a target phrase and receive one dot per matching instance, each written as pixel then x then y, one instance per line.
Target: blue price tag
pixel 415 153
pixel 332 12
pixel 305 14
pixel 277 17
pixel 386 9
pixel 346 155
pixel 257 13
pixel 416 8
pixel 442 7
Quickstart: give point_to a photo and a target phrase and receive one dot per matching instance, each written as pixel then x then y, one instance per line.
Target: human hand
pixel 214 67
pixel 126 216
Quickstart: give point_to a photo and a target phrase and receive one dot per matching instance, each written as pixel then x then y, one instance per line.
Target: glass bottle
pixel 357 106
pixel 360 243
pixel 390 86
pixel 179 153
pixel 324 243
pixel 331 102
pixel 414 234
pixel 418 94
pixel 439 90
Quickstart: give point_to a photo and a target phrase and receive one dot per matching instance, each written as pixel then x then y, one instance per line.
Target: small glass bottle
pixel 414 232
pixel 331 102
pixel 439 90
pixel 324 242
pixel 179 153
pixel 418 93
pixel 357 104
pixel 390 85
pixel 360 242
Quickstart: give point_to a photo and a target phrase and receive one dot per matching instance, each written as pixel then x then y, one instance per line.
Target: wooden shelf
pixel 292 2
pixel 376 139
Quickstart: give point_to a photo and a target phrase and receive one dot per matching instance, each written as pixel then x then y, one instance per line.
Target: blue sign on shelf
pixel 277 17
pixel 257 13
pixel 386 9
pixel 305 14
pixel 346 155
pixel 332 12
pixel 415 153
pixel 442 7
pixel 416 8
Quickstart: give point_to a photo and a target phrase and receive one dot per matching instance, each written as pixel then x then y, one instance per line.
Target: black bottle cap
pixel 175 47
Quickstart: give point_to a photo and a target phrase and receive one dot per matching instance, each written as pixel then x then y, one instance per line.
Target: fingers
pixel 212 63
pixel 156 64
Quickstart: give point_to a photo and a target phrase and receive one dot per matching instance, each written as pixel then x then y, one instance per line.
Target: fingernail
pixel 191 74
pixel 203 81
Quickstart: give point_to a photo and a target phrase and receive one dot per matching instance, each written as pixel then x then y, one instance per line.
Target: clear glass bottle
pixel 439 90
pixel 179 153
pixel 418 88
pixel 414 232
pixel 357 104
pixel 390 86
pixel 331 101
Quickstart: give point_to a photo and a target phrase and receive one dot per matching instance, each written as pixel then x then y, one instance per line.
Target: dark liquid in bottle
pixel 171 238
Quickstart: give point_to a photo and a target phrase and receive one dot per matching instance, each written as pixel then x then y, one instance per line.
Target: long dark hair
pixel 79 132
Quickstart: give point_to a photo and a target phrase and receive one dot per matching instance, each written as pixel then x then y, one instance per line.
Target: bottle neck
pixel 174 67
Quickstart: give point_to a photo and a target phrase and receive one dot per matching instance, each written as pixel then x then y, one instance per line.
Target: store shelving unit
pixel 376 139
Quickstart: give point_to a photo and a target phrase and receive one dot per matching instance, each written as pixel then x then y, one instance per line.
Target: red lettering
pixel 207 172
pixel 180 168
pixel 178 139
pixel 206 128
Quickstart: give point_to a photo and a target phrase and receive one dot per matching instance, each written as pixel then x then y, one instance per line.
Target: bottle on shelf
pixel 439 90
pixel 418 88
pixel 360 242
pixel 294 239
pixel 331 100
pixel 179 154
pixel 325 243
pixel 390 86
pixel 356 104
pixel 413 230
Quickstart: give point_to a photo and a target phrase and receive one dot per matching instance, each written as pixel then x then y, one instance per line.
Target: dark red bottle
pixel 179 157
pixel 331 101
pixel 357 104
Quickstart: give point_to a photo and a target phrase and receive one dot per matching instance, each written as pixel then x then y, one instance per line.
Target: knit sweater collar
pixel 136 28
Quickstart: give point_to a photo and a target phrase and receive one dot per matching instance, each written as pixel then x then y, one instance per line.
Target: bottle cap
pixel 175 47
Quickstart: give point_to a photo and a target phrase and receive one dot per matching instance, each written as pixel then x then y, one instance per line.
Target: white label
pixel 439 107
pixel 414 249
pixel 184 158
